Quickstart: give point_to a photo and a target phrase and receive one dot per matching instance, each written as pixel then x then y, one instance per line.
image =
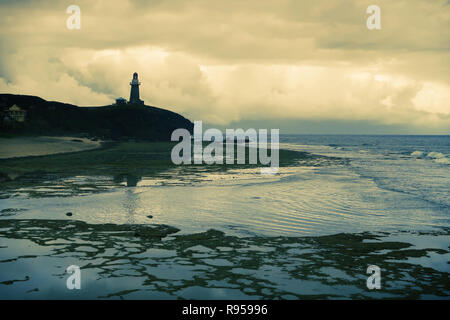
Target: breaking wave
pixel 437 157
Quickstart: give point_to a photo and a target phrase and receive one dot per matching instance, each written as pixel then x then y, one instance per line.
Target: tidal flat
pixel 120 160
pixel 153 262
pixel 141 228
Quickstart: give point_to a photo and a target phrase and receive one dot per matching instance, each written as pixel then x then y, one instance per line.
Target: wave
pixel 417 154
pixel 442 160
pixel 437 157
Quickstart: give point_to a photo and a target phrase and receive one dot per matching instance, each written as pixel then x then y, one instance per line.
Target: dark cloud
pixel 224 61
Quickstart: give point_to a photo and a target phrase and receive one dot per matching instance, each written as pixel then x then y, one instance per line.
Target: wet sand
pixel 39 146
pixel 199 232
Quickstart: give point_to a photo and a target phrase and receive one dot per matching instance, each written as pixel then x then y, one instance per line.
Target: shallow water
pixel 385 190
pixel 299 201
pixel 127 262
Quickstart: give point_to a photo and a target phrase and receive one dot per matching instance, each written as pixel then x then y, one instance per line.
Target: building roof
pixel 14 108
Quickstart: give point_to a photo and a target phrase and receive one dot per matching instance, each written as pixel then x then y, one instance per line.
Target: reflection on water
pixel 131 180
pixel 130 204
pixel 298 201
pixel 134 262
pixel 131 200
pixel 393 207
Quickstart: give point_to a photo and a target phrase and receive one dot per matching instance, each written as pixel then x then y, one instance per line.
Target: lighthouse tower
pixel 134 93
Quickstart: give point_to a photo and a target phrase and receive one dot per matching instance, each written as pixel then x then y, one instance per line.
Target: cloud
pixel 230 61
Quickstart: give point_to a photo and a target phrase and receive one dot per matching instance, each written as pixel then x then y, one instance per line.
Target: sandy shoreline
pixel 43 145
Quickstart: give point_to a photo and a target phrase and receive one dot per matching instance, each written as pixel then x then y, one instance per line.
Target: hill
pixel 121 122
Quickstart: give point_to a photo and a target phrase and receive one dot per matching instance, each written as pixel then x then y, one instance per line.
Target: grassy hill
pixel 121 122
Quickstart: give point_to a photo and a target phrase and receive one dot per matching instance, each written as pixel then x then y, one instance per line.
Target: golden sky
pixel 306 66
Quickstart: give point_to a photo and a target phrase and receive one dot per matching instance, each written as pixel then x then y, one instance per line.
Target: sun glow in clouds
pixel 265 61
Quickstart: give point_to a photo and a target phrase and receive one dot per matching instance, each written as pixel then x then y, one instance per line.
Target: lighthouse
pixel 134 93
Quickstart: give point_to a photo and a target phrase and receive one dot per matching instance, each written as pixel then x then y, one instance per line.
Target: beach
pixel 43 145
pixel 140 228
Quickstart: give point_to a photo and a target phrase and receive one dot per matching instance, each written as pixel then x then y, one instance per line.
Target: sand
pixel 38 146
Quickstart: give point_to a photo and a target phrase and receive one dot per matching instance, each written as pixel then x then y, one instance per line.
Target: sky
pixel 299 66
